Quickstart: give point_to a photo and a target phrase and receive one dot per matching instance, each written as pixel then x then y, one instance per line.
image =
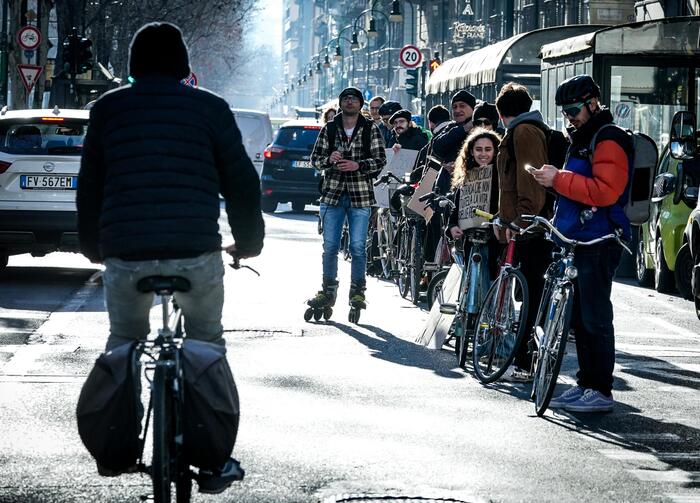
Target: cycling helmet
pixel 576 89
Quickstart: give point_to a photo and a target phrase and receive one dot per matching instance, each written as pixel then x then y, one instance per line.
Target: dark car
pixel 287 174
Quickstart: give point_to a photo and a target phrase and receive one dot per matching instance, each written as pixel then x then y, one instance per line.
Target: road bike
pixel 386 229
pixel 551 329
pixel 501 322
pixel 164 373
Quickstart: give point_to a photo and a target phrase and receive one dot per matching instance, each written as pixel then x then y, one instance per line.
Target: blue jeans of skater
pixel 333 217
pixel 129 309
pixel 592 315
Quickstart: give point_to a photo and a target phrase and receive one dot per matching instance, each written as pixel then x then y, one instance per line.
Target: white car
pixel 256 130
pixel 39 162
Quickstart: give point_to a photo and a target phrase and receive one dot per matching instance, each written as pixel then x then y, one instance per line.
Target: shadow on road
pixel 656 369
pixel 396 350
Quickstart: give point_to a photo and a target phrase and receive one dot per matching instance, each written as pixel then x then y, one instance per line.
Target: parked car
pixel 256 130
pixel 692 236
pixel 661 260
pixel 39 163
pixel 287 174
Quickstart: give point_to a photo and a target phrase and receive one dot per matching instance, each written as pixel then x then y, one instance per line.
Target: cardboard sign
pixel 476 193
pixel 437 327
pixel 399 164
pixel 426 185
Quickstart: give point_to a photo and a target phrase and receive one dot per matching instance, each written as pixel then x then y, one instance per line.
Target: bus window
pixel 578 69
pixel 569 71
pixel 645 98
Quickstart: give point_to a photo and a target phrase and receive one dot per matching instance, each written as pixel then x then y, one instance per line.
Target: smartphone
pixel 530 168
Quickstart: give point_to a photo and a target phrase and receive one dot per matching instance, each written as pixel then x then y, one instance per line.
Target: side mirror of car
pixel 683 136
pixel 664 184
pixel 690 196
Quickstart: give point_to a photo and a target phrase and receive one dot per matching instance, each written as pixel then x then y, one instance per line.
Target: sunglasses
pixel 482 122
pixel 574 109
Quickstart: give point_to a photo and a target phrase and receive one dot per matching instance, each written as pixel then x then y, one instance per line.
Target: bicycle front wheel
pixel 500 326
pixel 551 346
pixel 162 428
pixel 416 265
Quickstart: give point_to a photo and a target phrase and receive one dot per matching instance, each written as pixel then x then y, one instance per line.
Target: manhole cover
pixel 355 498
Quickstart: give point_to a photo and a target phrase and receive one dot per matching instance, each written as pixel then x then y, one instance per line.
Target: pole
pixel 3 54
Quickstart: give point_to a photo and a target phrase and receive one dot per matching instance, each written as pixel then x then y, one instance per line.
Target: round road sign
pixel 191 80
pixel 410 56
pixel 29 37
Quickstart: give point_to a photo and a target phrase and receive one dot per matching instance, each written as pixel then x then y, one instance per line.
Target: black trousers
pixel 592 316
pixel 534 255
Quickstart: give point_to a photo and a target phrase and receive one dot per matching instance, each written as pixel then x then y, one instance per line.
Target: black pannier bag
pixel 109 410
pixel 211 409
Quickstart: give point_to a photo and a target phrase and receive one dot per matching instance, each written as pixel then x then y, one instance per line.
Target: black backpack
pixel 211 409
pixel 557 148
pixel 109 409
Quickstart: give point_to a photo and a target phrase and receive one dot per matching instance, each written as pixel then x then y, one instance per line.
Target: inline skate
pixel 322 304
pixel 357 302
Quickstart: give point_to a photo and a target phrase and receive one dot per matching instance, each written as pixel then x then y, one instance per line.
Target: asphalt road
pixel 332 410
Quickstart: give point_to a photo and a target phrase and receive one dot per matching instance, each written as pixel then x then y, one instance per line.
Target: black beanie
pixel 389 108
pixel 352 91
pixel 486 110
pixel 158 49
pixel 464 96
pixel 401 114
pixel 438 114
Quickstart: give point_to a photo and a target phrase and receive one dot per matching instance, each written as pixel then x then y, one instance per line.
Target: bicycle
pixel 551 329
pixel 409 247
pixel 473 284
pixel 166 401
pixel 386 232
pixel 501 322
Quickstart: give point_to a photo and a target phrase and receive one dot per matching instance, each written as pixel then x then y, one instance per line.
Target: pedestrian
pixel 388 109
pixel 486 116
pixel 408 135
pixel 591 189
pixel 148 195
pixel 349 152
pixel 523 144
pixel 328 115
pixel 374 105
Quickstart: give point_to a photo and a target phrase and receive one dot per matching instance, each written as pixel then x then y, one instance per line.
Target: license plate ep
pixel 301 164
pixel 48 182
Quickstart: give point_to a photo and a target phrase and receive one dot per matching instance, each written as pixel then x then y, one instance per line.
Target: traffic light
pixel 412 82
pixel 84 55
pixel 434 63
pixel 69 53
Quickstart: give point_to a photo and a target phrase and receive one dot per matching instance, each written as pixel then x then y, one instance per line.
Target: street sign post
pixel 29 37
pixel 410 56
pixel 368 95
pixel 29 75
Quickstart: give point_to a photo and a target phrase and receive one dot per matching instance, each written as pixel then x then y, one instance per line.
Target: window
pixel 54 136
pixel 297 137
pixel 645 98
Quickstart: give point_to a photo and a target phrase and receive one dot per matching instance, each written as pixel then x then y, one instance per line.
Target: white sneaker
pixel 569 396
pixel 516 375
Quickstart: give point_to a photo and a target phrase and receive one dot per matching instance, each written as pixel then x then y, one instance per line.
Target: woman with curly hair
pixel 328 115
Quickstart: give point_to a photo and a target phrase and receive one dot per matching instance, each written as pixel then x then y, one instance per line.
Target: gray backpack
pixel 641 178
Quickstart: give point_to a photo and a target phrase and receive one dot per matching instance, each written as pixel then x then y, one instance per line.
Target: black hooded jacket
pixel 156 156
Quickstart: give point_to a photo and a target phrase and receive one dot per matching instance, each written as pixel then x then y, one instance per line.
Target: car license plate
pixel 301 164
pixel 51 182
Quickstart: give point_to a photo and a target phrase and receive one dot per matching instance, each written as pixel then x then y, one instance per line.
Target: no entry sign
pixel 410 56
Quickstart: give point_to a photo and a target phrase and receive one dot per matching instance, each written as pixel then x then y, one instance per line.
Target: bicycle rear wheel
pixel 162 435
pixel 416 264
pixel 552 346
pixel 500 326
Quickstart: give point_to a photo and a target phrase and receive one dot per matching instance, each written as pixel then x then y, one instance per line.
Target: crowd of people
pixel 583 189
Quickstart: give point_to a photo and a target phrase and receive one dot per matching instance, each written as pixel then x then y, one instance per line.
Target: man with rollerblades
pixel 349 153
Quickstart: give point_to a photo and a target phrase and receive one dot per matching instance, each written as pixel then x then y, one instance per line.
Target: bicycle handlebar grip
pixel 425 197
pixel 379 182
pixel 483 214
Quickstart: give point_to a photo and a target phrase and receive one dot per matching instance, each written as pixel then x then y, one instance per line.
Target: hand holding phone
pixel 530 168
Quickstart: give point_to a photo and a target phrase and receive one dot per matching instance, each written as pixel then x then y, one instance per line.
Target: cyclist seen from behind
pixel 349 152
pixel 592 190
pixel 157 155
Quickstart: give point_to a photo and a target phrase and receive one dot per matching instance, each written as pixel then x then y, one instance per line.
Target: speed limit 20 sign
pixel 410 56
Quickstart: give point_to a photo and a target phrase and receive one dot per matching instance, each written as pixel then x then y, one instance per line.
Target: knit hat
pixel 352 91
pixel 158 49
pixel 486 110
pixel 438 114
pixel 464 96
pixel 401 114
pixel 389 108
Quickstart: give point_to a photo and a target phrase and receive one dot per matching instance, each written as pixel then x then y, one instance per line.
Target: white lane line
pixel 672 327
pixel 653 335
pixel 649 437
pixel 655 349
pixel 663 305
pixel 674 389
pixel 626 455
pixel 45 378
pixel 683 498
pixel 663 373
pixel 676 476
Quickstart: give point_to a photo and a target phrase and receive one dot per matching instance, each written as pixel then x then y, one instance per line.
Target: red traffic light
pixel 434 64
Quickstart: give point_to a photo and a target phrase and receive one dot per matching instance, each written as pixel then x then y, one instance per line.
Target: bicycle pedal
pixel 448 308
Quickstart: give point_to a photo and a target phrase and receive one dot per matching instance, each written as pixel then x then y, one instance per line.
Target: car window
pixel 48 136
pixel 297 137
pixel 663 165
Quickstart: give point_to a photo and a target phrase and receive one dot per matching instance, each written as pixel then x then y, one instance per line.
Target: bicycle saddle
pixel 163 285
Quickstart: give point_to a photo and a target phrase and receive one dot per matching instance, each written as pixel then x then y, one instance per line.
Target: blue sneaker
pixel 569 396
pixel 591 401
pixel 217 482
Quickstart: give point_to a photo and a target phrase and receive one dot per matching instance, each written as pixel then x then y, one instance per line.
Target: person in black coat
pixel 408 135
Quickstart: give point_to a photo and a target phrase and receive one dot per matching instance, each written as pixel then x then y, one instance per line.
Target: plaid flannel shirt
pixel 358 184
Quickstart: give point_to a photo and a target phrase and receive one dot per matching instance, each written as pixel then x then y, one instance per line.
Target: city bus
pixel 482 72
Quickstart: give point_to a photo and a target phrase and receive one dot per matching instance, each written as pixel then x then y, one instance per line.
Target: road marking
pixel 663 305
pixel 671 326
pixel 654 335
pixel 43 378
pixel 649 437
pixel 627 455
pixel 655 349
pixel 677 476
pixel 684 498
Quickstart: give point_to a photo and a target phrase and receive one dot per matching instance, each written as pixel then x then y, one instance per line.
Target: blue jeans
pixel 592 315
pixel 333 217
pixel 129 309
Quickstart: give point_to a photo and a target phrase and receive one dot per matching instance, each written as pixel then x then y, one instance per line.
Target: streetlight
pixel 395 14
pixel 326 62
pixel 354 44
pixel 372 31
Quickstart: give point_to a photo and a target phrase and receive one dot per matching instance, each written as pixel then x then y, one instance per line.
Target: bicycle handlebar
pixel 385 179
pixel 435 200
pixel 538 221
pixel 496 220
pixel 236 264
